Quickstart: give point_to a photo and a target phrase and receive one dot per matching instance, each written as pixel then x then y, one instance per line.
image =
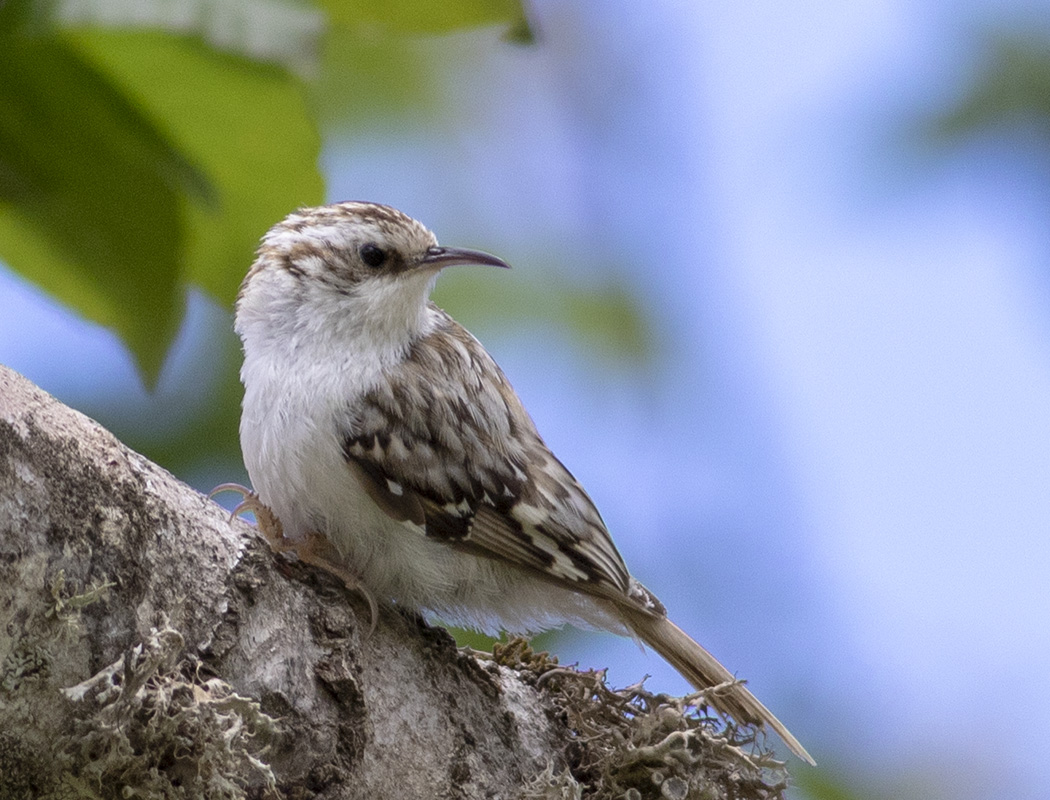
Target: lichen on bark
pixel 150 646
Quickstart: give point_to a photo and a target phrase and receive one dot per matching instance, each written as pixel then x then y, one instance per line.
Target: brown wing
pixel 445 444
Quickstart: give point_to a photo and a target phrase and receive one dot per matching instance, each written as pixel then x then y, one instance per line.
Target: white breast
pixel 296 406
pixel 300 388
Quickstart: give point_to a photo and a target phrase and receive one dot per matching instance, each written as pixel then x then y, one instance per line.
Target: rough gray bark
pixel 152 647
pixel 102 551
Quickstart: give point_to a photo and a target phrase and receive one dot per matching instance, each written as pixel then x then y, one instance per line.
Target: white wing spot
pixel 562 566
pixel 394 487
pixel 462 508
pixel 529 514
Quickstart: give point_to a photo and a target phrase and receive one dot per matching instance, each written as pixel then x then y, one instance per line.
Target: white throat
pixel 305 325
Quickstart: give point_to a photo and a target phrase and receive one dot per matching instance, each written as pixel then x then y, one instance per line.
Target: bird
pixel 385 443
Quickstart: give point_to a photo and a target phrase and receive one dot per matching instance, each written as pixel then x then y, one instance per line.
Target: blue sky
pixel 836 472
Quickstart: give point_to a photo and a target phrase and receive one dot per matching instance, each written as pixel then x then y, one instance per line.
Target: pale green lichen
pixel 146 726
pixel 29 658
pixel 65 606
pixel 631 743
pixel 33 652
pixel 552 784
pixel 143 728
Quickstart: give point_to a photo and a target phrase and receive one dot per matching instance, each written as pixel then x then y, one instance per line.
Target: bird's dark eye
pixel 373 255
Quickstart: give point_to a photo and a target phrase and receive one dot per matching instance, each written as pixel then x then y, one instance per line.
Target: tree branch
pixel 152 647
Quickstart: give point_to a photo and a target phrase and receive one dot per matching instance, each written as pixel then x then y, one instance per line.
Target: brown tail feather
pixel 703 670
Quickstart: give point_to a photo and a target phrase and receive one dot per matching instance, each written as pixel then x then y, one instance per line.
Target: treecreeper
pixel 385 444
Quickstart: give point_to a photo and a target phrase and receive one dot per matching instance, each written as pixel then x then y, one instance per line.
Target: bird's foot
pixel 266 522
pixel 317 551
pixel 314 550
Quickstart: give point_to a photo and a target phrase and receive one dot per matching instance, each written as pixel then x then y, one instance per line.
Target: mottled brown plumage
pixel 374 420
pixel 445 440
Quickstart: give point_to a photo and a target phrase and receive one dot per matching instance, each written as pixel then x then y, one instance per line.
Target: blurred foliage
pixel 426 16
pixel 202 439
pixel 145 146
pixel 1010 88
pixel 911 781
pixel 91 190
pixel 365 77
pixel 483 642
pixel 823 784
pixel 605 319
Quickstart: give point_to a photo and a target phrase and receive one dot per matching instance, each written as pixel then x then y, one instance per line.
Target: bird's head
pixel 346 270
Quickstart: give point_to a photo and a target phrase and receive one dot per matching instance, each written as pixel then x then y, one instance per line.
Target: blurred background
pixel 781 301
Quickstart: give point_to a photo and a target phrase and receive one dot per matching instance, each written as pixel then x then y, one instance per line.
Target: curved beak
pixel 441 257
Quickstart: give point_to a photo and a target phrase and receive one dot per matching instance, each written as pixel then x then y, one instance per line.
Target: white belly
pixel 292 450
pixel 291 442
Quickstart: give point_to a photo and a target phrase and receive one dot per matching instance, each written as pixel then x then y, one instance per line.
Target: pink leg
pixel 314 550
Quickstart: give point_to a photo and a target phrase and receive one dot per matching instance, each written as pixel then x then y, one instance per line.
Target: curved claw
pixel 243 491
pixel 249 501
pixel 373 610
pixel 315 550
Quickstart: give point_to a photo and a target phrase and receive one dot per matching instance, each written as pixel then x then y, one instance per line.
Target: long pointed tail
pixel 703 670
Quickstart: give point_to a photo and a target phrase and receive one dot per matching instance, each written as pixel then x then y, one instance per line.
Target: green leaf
pixel 428 16
pixel 89 192
pixel 134 163
pixel 373 67
pixel 1011 86
pixel 246 124
pixel 367 79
